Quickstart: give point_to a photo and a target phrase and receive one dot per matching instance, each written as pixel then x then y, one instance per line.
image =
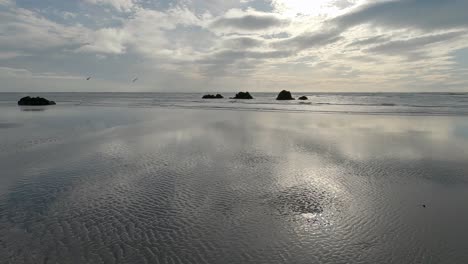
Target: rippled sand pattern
pixel 117 185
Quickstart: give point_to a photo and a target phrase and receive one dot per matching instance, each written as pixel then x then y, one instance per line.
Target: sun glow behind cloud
pixel 293 8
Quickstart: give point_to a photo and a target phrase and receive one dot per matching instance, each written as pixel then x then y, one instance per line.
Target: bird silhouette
pixel 89 78
pixel 134 80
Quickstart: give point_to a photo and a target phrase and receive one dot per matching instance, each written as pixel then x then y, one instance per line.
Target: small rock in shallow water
pixel 303 98
pixel 242 95
pixel 211 96
pixel 35 101
pixel 284 95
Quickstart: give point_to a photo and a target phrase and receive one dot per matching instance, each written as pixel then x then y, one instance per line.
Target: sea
pixel 365 103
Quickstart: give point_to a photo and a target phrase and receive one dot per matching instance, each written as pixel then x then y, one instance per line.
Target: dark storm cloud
pixel 422 14
pixel 251 22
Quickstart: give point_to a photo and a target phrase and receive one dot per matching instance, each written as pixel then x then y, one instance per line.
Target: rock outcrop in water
pixel 303 98
pixel 284 95
pixel 242 95
pixel 35 101
pixel 212 96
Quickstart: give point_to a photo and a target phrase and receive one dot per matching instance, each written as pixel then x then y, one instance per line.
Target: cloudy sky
pixel 230 45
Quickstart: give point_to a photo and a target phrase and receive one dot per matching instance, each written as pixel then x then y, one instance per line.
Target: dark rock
pixel 303 98
pixel 284 95
pixel 211 96
pixel 35 101
pixel 242 95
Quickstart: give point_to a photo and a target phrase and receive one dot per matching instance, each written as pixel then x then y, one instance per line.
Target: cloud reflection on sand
pixel 133 185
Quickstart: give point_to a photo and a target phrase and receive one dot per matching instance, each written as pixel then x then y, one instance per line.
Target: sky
pixel 233 45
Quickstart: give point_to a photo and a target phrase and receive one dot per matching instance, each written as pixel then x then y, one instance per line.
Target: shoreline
pixel 247 109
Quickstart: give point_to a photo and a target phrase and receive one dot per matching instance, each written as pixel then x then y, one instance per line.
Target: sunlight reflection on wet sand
pixel 120 185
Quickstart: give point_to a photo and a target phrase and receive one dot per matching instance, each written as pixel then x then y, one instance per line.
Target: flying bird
pixel 134 80
pixel 89 78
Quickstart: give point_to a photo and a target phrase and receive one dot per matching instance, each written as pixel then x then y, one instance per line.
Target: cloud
pixel 399 47
pixel 232 55
pixel 214 7
pixel 24 73
pixel 14 72
pixel 309 40
pixel 120 5
pixel 9 55
pixel 147 32
pixel 6 2
pixel 243 43
pixel 342 4
pixel 249 21
pixel 237 62
pixel 369 41
pixel 187 44
pixel 27 30
pixel 68 15
pixel 107 41
pixel 421 14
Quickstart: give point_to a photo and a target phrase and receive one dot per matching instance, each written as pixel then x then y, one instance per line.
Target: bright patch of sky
pixel 231 45
pixel 461 57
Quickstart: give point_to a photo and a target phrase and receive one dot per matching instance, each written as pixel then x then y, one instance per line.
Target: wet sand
pixel 128 185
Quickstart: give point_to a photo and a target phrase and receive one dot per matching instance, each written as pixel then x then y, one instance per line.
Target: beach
pixel 93 183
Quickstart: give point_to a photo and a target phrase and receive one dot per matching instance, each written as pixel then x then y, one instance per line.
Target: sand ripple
pixel 226 191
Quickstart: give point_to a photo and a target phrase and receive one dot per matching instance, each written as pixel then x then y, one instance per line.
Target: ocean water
pixel 367 103
pixel 133 178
